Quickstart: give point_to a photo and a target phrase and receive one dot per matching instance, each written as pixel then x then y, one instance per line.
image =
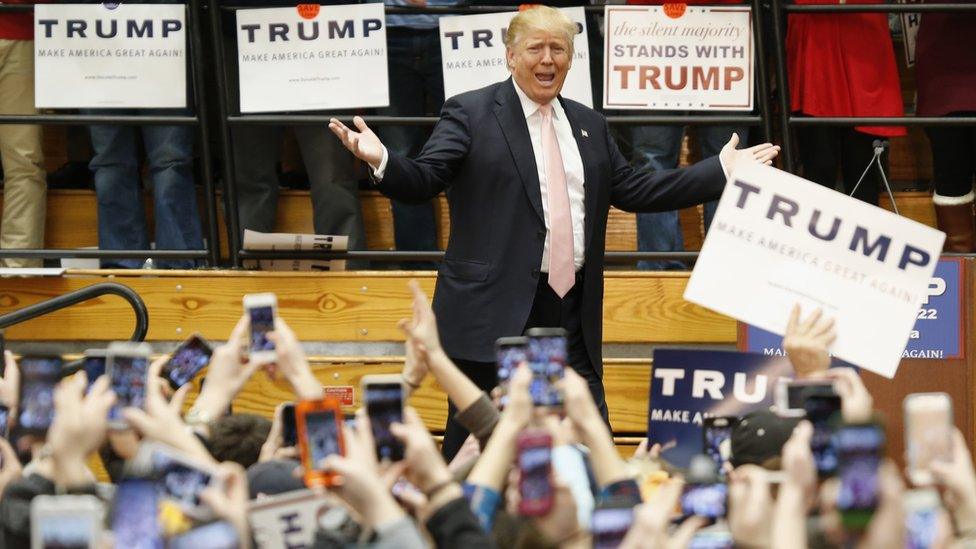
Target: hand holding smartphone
pixel 859 452
pixel 509 352
pixel 40 371
pixel 262 310
pixel 547 359
pixel 383 395
pixel 187 360
pixel 792 393
pixel 319 436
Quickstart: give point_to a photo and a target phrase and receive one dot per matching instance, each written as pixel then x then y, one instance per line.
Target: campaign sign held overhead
pixel 689 386
pixel 777 240
pixel 110 56
pixel 304 59
pixel 677 56
pixel 473 54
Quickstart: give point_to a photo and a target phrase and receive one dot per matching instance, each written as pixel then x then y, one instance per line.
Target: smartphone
pixel 612 518
pixel 383 395
pixel 187 360
pixel 319 436
pixel 216 535
pixel 717 439
pixel 179 479
pixel 535 472
pixel 39 373
pixel 289 431
pixel 922 510
pixel 4 423
pixel 823 413
pixel 706 499
pixel 928 434
pixel 547 359
pixel 127 365
pixel 859 452
pixel 94 364
pixel 791 394
pixel 262 310
pixel 66 521
pixel 135 515
pixel 509 353
pixel 720 538
pixel 3 353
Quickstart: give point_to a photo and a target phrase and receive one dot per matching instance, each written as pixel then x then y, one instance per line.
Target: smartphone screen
pixel 508 357
pixel 135 515
pixel 187 360
pixel 39 375
pixel 798 392
pixel 820 412
pixel 928 433
pixel 547 358
pixel 322 431
pixel 859 450
pixel 216 535
pixel 704 500
pixel 67 529
pixel 128 383
pixel 922 527
pixel 178 481
pixel 384 405
pixel 610 525
pixel 717 439
pixel 718 539
pixel 262 322
pixel 535 463
pixel 94 367
pixel 4 421
pixel 289 429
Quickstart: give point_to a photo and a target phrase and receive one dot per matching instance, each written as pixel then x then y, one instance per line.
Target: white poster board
pixel 125 56
pixel 678 57
pixel 909 32
pixel 302 58
pixel 777 240
pixel 286 520
pixel 473 54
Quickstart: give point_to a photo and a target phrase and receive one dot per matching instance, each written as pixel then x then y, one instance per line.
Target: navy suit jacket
pixel 481 154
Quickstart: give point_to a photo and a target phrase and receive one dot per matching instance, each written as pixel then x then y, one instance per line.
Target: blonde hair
pixel 541 18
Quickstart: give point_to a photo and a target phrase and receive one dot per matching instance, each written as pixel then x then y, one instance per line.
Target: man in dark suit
pixel 530 178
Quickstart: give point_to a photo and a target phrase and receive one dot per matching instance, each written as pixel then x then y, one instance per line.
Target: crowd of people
pixel 838 65
pixel 596 498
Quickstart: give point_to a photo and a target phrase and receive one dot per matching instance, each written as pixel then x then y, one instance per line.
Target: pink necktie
pixel 562 268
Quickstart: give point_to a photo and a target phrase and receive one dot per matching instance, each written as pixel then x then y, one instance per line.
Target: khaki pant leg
pixel 25 182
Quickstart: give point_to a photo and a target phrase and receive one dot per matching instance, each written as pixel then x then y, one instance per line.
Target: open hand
pixel 730 155
pixel 364 143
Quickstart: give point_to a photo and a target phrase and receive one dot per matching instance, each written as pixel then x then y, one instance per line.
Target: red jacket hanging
pixel 843 64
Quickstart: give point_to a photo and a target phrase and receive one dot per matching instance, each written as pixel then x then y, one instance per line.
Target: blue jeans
pixel 658 148
pixel 417 89
pixel 121 216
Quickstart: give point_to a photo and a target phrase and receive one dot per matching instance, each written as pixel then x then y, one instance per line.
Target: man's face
pixel 539 63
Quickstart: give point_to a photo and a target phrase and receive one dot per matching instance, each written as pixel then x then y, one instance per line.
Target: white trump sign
pixel 678 57
pixel 312 57
pixel 93 56
pixel 287 520
pixel 473 54
pixel 777 240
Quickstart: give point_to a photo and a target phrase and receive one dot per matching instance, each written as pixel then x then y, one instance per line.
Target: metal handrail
pixel 80 295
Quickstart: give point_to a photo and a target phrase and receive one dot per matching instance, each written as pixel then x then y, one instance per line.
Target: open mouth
pixel 545 78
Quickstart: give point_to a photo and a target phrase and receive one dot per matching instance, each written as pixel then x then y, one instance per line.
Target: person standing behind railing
pixel 945 70
pixel 24 179
pixel 842 64
pixel 659 148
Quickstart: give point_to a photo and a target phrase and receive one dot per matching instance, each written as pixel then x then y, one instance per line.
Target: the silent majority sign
pixel 678 57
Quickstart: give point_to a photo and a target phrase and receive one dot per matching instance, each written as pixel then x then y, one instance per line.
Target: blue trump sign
pixel 938 331
pixel 689 386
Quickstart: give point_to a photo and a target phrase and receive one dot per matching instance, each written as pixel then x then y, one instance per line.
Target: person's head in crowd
pixel 539 51
pixel 758 439
pixel 238 438
pixel 270 478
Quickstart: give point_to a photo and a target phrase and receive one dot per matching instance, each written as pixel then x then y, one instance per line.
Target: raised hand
pixel 731 155
pixel 364 143
pixel 806 342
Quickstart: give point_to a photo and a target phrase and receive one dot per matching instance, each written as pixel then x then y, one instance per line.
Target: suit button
pixel 535 273
pixel 541 235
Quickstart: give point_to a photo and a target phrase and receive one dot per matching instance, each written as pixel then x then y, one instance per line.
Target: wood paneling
pixel 353 306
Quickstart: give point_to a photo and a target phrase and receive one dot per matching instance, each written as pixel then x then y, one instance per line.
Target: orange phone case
pixel 314 476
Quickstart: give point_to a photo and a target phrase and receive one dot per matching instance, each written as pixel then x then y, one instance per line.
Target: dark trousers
pixel 823 149
pixel 953 157
pixel 548 311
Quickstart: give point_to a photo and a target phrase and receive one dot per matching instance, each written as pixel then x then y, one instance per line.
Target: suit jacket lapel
pixel 511 118
pixel 590 176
